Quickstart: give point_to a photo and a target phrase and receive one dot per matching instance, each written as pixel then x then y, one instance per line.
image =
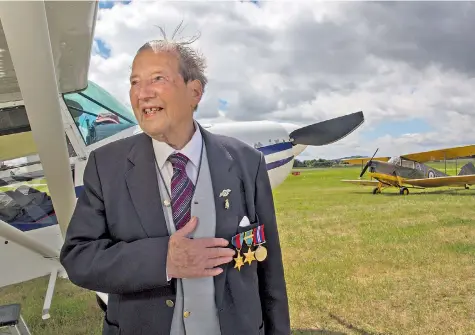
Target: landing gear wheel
pixel 376 190
pixel 404 191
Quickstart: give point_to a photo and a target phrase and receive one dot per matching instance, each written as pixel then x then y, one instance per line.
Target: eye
pixel 157 78
pixel 133 82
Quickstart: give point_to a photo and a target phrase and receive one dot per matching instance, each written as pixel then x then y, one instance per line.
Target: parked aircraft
pixel 49 108
pixel 409 170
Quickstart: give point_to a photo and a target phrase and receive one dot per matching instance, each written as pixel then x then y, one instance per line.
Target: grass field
pixel 356 263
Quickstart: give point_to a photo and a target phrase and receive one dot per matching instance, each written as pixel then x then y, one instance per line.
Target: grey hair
pixel 192 64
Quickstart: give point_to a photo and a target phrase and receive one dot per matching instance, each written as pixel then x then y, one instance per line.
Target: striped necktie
pixel 182 190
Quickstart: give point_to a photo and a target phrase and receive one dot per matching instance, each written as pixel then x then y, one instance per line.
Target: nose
pixel 145 91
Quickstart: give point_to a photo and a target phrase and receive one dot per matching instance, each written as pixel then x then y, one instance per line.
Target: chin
pixel 155 132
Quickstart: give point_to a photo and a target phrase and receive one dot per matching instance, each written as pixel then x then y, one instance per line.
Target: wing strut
pixel 26 29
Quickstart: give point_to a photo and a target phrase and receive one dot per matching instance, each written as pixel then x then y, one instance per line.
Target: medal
pixel 249 239
pixel 249 256
pixel 237 242
pixel 253 237
pixel 238 261
pixel 260 253
pixel 259 239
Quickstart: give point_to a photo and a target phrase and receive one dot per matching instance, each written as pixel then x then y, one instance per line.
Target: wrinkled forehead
pixel 149 60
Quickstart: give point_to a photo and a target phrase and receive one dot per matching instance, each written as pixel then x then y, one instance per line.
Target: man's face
pixel 162 102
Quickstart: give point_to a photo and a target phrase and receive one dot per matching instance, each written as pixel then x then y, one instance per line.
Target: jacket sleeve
pixel 93 260
pixel 272 284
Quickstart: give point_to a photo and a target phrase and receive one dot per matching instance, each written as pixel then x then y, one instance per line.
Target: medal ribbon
pixel 259 237
pixel 237 241
pixel 248 237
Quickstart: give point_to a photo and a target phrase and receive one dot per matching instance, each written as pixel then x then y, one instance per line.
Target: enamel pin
pixel 225 193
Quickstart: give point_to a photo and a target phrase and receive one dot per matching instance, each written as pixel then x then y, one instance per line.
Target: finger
pixel 189 227
pixel 212 272
pixel 214 262
pixel 213 242
pixel 220 252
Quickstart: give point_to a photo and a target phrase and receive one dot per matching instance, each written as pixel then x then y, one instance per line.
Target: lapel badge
pixel 225 193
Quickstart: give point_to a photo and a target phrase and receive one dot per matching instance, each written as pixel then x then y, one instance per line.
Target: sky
pixel 409 66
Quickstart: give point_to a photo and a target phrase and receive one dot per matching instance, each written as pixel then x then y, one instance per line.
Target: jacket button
pixel 170 303
pixel 186 314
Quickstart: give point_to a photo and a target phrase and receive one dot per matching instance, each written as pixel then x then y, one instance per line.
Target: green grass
pixel 355 263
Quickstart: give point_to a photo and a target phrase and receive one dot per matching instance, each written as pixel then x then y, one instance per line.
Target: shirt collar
pixel 192 149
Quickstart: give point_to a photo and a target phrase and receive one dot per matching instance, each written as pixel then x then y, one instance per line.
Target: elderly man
pixel 177 224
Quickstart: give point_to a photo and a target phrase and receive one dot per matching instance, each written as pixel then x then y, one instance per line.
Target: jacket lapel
pixel 223 177
pixel 142 183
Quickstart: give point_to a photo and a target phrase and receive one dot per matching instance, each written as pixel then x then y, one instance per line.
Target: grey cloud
pixel 420 33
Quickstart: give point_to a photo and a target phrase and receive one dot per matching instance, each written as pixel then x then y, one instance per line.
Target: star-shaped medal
pixel 249 256
pixel 238 261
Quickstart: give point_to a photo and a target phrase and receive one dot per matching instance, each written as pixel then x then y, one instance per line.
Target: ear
pixel 196 91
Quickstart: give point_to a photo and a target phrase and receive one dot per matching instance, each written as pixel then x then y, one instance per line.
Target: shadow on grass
pixel 352 327
pixel 341 321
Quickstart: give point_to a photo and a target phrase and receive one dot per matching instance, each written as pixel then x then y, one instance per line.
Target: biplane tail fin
pixel 467 169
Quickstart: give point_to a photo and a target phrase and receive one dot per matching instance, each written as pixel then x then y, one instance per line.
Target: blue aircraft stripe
pixel 278 163
pixel 273 148
pixel 78 190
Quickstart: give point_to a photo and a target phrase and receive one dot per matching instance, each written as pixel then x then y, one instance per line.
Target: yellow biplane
pixel 409 171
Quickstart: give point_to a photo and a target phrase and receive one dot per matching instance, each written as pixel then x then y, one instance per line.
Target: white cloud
pixel 306 61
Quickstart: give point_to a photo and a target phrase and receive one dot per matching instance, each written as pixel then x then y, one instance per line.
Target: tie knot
pixel 178 160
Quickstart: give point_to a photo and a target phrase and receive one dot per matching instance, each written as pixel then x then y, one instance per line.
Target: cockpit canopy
pixel 396 160
pixel 97 114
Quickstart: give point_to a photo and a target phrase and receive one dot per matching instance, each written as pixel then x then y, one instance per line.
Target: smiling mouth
pixel 151 111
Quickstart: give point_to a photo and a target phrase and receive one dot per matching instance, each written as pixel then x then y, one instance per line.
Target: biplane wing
pixel 364 160
pixel 441 154
pixel 442 181
pixel 362 182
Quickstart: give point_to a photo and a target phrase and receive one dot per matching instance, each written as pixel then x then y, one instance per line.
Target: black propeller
pixel 326 132
pixel 368 164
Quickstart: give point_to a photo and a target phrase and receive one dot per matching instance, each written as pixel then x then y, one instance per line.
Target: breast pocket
pixel 242 227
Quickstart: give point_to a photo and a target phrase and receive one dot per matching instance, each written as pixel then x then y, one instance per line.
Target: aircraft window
pixel 395 161
pixel 408 164
pixel 98 114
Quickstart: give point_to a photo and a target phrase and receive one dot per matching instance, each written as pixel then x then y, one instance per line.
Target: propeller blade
pixel 368 163
pixel 329 131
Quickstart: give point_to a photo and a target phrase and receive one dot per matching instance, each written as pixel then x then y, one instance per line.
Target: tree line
pixel 314 163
